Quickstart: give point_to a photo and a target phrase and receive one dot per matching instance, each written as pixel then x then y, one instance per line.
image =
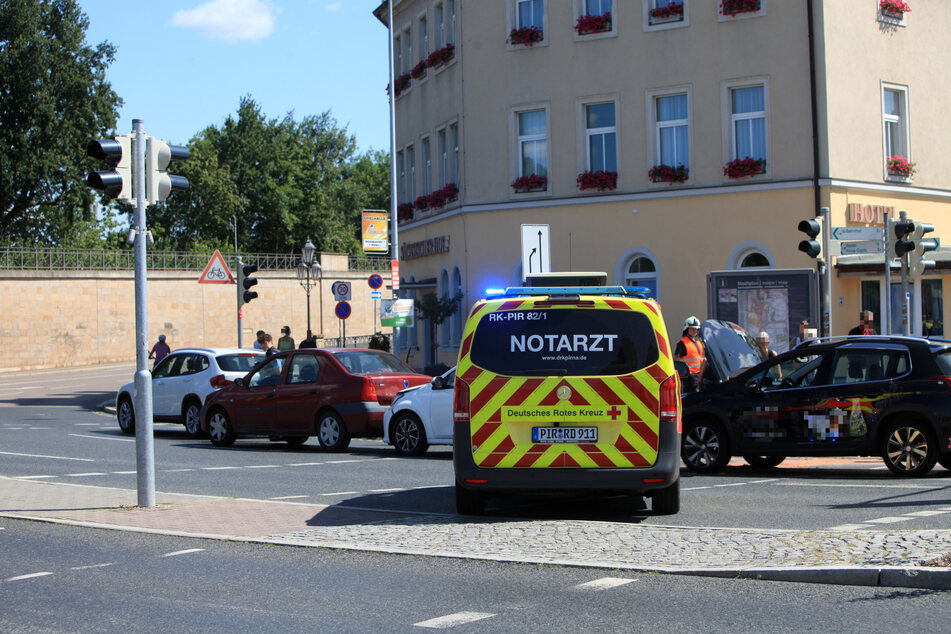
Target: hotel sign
pixel 431 246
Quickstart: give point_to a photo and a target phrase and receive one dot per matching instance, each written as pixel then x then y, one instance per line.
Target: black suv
pixel 842 396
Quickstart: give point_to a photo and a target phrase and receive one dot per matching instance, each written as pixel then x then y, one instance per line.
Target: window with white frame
pixel 456 321
pixel 529 13
pixel 410 173
pixel 398 49
pixel 423 38
pixel 601 135
pixel 894 119
pixel 427 166
pixel 439 25
pixel 400 177
pixel 642 271
pixel 753 260
pixel 665 14
pixel 442 155
pixel 451 5
pixel 532 143
pixel 672 138
pixel 597 7
pixel 454 174
pixel 408 43
pixel 748 121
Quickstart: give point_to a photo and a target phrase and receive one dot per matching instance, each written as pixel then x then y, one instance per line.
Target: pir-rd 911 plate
pixel 564 434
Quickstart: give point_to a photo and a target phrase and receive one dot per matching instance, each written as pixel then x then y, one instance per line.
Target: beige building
pixel 664 142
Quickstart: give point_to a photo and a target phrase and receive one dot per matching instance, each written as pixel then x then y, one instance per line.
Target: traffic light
pixel 902 228
pixel 247 282
pixel 813 246
pixel 917 265
pixel 117 153
pixel 158 184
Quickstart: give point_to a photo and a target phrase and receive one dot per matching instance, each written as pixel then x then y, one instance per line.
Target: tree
pixel 54 98
pixel 435 310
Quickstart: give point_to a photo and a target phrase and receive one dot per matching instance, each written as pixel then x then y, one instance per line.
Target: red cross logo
pixel 614 412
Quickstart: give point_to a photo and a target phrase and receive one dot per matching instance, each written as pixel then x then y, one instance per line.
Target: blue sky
pixel 182 65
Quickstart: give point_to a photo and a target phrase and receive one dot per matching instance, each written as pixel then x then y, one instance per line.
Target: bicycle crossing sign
pixel 216 272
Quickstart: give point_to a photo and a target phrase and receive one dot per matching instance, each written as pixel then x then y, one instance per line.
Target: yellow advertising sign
pixel 376 230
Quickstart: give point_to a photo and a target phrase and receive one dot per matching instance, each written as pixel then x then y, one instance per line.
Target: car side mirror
pixel 754 386
pixel 681 369
pixel 438 383
pixel 240 382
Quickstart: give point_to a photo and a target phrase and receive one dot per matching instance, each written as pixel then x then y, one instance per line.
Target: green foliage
pixel 438 309
pixel 54 98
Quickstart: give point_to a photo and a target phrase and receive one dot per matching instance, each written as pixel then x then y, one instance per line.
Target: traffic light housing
pixel 917 265
pixel 159 184
pixel 247 282
pixel 117 153
pixel 902 229
pixel 813 246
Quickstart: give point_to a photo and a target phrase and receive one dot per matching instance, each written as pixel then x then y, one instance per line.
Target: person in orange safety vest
pixel 690 351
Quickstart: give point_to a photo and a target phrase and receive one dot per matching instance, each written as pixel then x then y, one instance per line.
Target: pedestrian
pixel 762 340
pixel 267 344
pixel 258 343
pixel 689 350
pixel 866 319
pixel 803 335
pixel 309 342
pixel 286 342
pixel 159 351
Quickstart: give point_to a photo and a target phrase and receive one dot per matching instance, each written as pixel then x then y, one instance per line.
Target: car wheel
pixel 295 441
pixel 945 460
pixel 666 501
pixel 125 414
pixel 909 448
pixel 705 447
pixel 764 462
pixel 191 415
pixel 220 431
pixel 332 432
pixel 469 502
pixel 409 435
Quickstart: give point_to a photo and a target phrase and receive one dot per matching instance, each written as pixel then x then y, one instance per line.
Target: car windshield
pixel 242 362
pixel 564 342
pixel 370 362
pixel 729 347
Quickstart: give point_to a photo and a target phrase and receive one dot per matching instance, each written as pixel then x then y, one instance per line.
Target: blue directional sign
pixel 376 295
pixel 342 310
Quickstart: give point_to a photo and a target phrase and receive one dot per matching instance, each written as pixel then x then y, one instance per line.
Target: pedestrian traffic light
pixel 813 246
pixel 902 228
pixel 158 184
pixel 247 282
pixel 117 153
pixel 917 265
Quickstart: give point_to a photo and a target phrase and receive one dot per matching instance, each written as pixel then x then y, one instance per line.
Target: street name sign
pixel 856 247
pixel 857 233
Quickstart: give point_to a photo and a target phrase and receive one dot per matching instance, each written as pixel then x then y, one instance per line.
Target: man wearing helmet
pixel 689 350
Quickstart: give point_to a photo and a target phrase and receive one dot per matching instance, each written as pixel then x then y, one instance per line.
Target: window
pixel 440 25
pixel 753 260
pixel 601 133
pixel 400 177
pixel 444 294
pixel 529 13
pixel 932 308
pixel 410 174
pixel 423 39
pixel 454 174
pixel 442 156
pixel 303 369
pixel 451 4
pixel 748 121
pixel 597 7
pixel 894 108
pixel 408 57
pixel 398 51
pixel 456 322
pixel 660 15
pixel 532 143
pixel 427 168
pixel 269 374
pixel 642 272
pixel 672 130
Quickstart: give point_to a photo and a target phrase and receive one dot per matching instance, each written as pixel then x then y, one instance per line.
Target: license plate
pixel 564 434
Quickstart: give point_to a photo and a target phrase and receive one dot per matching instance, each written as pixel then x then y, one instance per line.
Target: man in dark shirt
pixel 866 319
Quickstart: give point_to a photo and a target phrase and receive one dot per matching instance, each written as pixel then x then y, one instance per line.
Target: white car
pixel 420 416
pixel 182 380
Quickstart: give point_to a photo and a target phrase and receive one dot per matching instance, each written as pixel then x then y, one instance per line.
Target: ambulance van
pixel 566 389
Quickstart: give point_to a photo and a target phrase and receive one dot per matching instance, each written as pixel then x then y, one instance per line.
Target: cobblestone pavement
pixel 863 557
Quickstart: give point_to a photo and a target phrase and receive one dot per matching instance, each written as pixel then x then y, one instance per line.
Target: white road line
pixel 290 497
pixel 88 424
pixel 263 466
pixel 123 472
pixel 40 428
pixel 103 437
pixel 83 475
pixel 302 464
pixel 922 487
pixel 386 490
pixel 218 468
pixel 732 484
pixel 37 477
pixel 604 584
pixel 91 567
pixel 183 552
pixel 850 527
pixel 36 455
pixel 174 470
pixel 696 488
pixel 887 520
pixel 340 493
pixel 452 620
pixel 29 576
pixel 926 513
pixel 344 461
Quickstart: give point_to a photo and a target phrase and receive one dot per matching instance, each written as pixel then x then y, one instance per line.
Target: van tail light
pixel 670 402
pixel 460 401
pixel 369 392
pixel 219 381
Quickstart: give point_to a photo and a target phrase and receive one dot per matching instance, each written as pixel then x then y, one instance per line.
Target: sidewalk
pixel 876 558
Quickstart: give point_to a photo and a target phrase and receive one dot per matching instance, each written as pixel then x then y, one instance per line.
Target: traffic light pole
pixel 144 440
pixel 240 287
pixel 905 322
pixel 826 272
pixel 887 321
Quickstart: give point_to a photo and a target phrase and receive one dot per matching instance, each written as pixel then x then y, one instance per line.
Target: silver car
pixel 421 416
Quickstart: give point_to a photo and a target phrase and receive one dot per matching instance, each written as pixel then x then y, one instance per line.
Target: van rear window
pixel 559 342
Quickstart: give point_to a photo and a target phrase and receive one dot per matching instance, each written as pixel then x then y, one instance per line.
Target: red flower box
pixel 738 168
pixel 732 7
pixel 593 23
pixel 668 174
pixel 600 180
pixel 532 182
pixel 672 10
pixel 404 212
pixel 900 166
pixel 402 83
pixel 451 191
pixel 526 35
pixel 421 203
pixel 894 8
pixel 441 56
pixel 419 71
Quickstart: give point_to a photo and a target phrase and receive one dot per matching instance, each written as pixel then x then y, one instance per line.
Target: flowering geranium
pixel 451 191
pixel 419 71
pixel 668 174
pixel 526 35
pixel 732 7
pixel 894 7
pixel 441 55
pixel 530 182
pixel 600 180
pixel 421 203
pixel 900 166
pixel 738 168
pixel 672 10
pixel 593 23
pixel 402 83
pixel 404 212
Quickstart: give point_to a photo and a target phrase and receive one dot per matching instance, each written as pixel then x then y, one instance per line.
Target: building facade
pixel 663 140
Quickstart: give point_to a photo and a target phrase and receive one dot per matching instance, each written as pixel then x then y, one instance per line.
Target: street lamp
pixel 308 272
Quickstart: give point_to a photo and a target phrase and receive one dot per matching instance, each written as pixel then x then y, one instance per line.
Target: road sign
pixel 341 291
pixel 857 233
pixel 376 295
pixel 216 272
pixel 375 281
pixel 342 310
pixel 856 247
pixel 396 312
pixel 536 254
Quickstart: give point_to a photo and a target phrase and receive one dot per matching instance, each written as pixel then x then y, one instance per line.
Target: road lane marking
pixel 123 472
pixel 29 576
pixel 183 552
pixel 887 520
pixel 83 475
pixel 36 455
pixel 263 466
pixel 174 470
pixel 604 584
pixel 850 527
pixel 922 487
pixel 103 437
pixel 696 488
pixel 340 493
pixel 290 497
pixel 218 468
pixel 386 490
pixel 926 513
pixel 91 567
pixel 302 464
pixel 36 477
pixel 452 620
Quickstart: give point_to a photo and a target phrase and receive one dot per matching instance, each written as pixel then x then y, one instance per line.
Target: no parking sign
pixel 342 310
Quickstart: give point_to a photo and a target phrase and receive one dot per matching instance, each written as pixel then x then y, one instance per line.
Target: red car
pixel 331 393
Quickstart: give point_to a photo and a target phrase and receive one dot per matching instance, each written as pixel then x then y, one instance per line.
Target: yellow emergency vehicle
pixel 566 388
